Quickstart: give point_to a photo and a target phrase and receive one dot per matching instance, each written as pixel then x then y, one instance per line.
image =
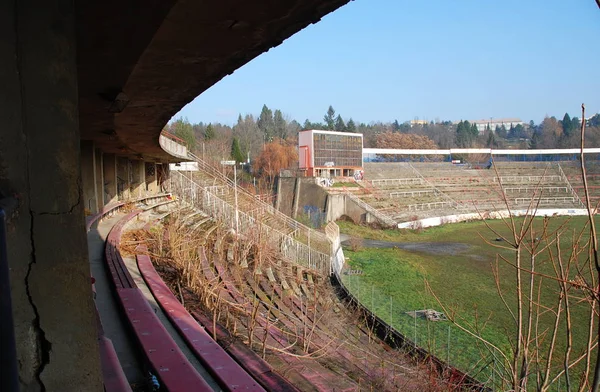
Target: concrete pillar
pixel 88 177
pixel 138 181
pixel 163 176
pixel 99 178
pixel 123 180
pixel 109 163
pixel 40 167
pixel 296 199
pixel 278 195
pixel 151 178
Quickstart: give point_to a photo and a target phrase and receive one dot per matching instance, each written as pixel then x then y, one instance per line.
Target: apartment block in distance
pixel 330 154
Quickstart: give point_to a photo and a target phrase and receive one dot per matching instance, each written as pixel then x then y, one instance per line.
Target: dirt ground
pixel 434 248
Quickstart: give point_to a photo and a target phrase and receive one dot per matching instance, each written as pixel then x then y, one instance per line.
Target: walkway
pixel 112 321
pixel 114 327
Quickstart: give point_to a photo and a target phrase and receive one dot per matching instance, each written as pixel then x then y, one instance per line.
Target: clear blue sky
pixel 380 60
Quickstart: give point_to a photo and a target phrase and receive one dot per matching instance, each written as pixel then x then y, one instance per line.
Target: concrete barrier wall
pixel 172 147
pixel 442 220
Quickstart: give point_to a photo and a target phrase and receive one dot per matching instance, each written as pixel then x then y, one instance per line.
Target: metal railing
pixel 550 189
pixel 566 180
pixel 380 216
pixel 430 206
pixel 545 200
pixel 413 193
pixel 449 200
pixel 526 179
pixel 251 221
pixel 299 228
pixel 397 181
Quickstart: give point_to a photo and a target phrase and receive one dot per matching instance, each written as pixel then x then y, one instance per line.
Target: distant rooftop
pixel 493 120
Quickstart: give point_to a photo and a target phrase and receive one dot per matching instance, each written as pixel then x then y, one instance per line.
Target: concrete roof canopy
pixel 140 62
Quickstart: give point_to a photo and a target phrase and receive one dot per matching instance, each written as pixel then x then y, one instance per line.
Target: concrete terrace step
pixel 228 373
pixel 170 364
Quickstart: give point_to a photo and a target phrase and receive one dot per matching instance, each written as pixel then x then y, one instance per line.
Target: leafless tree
pixel 536 360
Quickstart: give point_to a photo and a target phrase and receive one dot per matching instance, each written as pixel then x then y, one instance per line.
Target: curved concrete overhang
pixel 140 62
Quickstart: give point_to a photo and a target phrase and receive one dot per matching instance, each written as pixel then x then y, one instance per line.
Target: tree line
pixel 251 135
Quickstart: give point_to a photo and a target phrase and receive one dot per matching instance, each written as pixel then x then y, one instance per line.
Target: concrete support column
pixel 151 178
pixel 109 163
pixel 163 176
pixel 40 168
pixel 99 178
pixel 296 198
pixel 138 178
pixel 123 178
pixel 88 177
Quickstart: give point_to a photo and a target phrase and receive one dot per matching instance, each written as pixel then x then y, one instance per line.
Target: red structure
pixel 330 154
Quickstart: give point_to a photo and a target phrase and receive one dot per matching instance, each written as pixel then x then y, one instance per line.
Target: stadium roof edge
pixel 451 151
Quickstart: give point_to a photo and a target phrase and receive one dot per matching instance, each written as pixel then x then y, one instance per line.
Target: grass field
pixel 393 282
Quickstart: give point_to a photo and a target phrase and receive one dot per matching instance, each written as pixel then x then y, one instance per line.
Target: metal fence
pixel 440 338
pixel 397 181
pixel 249 221
pixel 413 193
pixel 545 200
pixel 527 179
pixel 219 179
pixel 380 216
pixel 430 206
pixel 549 189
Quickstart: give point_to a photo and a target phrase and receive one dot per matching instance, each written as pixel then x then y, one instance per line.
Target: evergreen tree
pixel 307 125
pixel 567 125
pixel 236 151
pixel 534 143
pixel 491 140
pixel 209 133
pixel 329 118
pixel 266 124
pixel 351 127
pixel 396 126
pixel 517 132
pixel 293 127
pixel 466 134
pixel 184 130
pixel 575 124
pixel 339 126
pixel 280 125
pixel 501 132
pixel 404 127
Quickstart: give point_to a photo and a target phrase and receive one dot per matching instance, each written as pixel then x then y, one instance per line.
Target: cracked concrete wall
pixel 109 169
pixel 88 176
pixel 55 324
pixel 99 178
pixel 123 178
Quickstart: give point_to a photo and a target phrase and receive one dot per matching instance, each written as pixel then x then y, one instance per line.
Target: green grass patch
pixel 393 283
pixel 351 184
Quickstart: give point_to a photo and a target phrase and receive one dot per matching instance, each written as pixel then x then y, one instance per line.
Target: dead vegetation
pixel 287 314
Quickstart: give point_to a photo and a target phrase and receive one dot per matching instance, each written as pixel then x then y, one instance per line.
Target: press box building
pixel 330 154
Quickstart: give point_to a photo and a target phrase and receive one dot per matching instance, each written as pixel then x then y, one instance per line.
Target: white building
pixel 492 123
